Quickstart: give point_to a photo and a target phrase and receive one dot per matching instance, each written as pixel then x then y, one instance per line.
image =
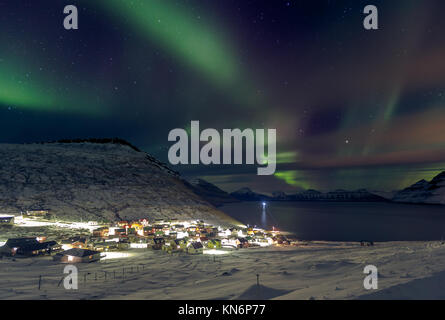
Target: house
pixel 37 213
pixel 250 239
pixel 195 248
pixel 179 227
pixel 120 232
pixel 175 246
pixel 106 246
pixel 158 243
pixel 74 242
pixel 280 239
pixel 53 247
pixel 158 230
pixel 12 245
pixel 203 239
pixel 242 243
pixel 28 247
pixel 6 220
pixel 101 232
pixel 181 244
pixel 230 242
pixel 192 230
pixel 131 231
pixel 173 235
pixel 137 226
pixel 214 244
pixel 122 224
pixel 148 231
pixel 77 255
pixel 212 231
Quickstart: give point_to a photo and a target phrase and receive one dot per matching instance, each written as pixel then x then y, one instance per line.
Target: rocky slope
pixel 96 181
pixel 210 192
pixel 432 192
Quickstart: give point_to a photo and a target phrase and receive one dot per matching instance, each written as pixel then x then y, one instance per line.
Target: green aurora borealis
pixel 353 108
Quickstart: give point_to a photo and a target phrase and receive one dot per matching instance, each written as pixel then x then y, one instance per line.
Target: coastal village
pixel 88 241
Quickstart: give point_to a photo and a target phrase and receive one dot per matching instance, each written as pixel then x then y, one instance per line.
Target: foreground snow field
pixel 319 270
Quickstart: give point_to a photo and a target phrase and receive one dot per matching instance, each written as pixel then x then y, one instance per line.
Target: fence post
pixel 60 282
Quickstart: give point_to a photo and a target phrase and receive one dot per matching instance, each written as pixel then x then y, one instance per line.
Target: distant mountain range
pixel 245 194
pixel 422 192
pixel 429 192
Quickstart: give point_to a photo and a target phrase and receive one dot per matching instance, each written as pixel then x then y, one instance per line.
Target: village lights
pixel 192 237
pixel 181 235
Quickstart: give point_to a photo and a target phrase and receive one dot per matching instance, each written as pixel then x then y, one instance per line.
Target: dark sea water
pixel 345 221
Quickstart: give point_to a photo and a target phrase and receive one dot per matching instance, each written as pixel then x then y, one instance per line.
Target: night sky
pixel 352 108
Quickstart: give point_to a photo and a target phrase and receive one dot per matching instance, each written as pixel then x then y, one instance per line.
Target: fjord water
pixel 345 221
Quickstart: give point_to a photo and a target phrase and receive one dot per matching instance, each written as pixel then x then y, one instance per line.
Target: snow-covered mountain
pixel 96 181
pixel 246 194
pixel 432 192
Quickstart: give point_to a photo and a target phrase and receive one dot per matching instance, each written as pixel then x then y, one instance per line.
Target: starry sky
pixel 352 108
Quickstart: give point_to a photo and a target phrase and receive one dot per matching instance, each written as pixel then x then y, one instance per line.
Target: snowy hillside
pixel 432 192
pixel 95 181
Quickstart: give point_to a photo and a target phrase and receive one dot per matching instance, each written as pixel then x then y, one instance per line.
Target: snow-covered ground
pixel 319 270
